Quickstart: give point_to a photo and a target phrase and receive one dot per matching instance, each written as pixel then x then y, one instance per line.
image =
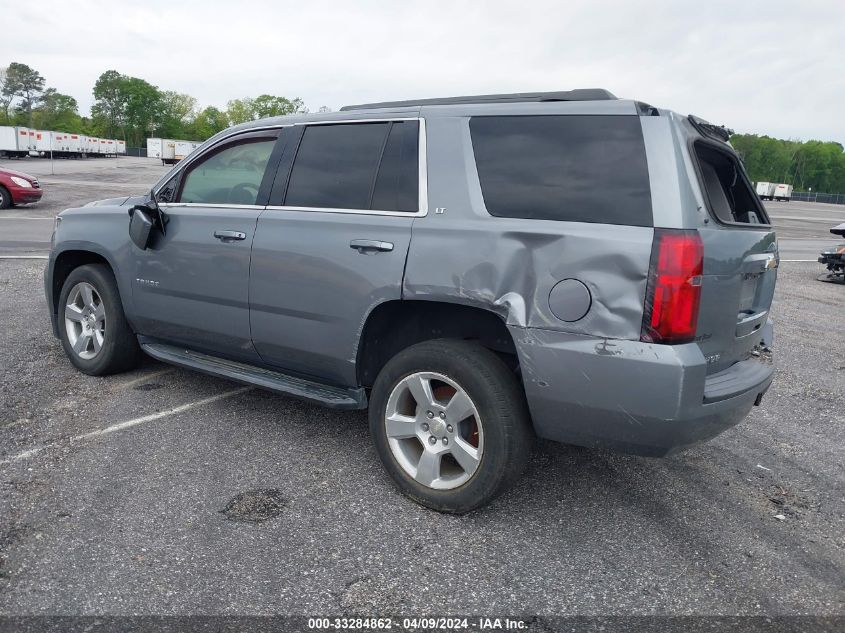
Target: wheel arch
pixel 65 262
pixel 395 325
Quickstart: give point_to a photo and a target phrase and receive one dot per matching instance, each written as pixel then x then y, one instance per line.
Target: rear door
pixel 333 243
pixel 740 259
pixel 191 286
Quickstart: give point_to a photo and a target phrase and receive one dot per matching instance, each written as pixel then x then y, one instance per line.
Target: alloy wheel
pixel 85 320
pixel 433 430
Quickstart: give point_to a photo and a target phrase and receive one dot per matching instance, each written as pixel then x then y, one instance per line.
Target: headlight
pixel 20 182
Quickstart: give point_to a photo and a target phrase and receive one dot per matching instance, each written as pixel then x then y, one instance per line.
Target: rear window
pixel 731 198
pixel 336 165
pixel 578 168
pixel 357 166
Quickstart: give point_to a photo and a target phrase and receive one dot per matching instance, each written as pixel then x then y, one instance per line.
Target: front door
pixel 191 287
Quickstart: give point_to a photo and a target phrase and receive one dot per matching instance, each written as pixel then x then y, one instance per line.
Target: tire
pixel 483 453
pixel 5 198
pixel 108 346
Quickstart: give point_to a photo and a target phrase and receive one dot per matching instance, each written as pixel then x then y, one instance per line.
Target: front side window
pixel 229 175
pixel 578 168
pixel 357 166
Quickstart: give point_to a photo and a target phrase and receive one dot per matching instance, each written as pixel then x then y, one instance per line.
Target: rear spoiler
pixel 717 132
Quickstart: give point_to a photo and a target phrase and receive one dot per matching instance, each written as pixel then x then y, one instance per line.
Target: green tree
pixel 5 99
pixel 240 111
pixel 143 109
pixel 177 113
pixel 57 111
pixel 262 106
pixel 207 123
pixel 813 164
pixel 127 104
pixel 24 83
pixel 109 107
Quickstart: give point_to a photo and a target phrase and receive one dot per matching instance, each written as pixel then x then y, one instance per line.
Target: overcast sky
pixel 775 67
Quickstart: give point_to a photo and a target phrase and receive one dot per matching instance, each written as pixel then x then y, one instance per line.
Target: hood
pixel 19 174
pixel 119 202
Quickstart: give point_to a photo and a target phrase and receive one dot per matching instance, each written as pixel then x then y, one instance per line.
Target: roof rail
pixel 581 94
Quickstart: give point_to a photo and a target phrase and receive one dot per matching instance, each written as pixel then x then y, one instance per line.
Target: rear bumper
pixel 635 397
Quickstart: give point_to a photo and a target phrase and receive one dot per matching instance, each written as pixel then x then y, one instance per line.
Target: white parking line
pixel 23 257
pixel 120 426
pixel 144 378
pixel 799 260
pixel 50 219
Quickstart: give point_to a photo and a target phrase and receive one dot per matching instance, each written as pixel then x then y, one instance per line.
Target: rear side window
pixel 579 168
pixel 731 198
pixel 356 166
pixel 397 184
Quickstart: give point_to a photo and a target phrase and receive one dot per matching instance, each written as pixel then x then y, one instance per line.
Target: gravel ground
pixel 258 504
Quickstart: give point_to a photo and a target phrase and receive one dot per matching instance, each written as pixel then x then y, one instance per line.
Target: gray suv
pixel 475 270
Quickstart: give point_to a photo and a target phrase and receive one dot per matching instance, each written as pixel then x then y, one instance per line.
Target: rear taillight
pixel 674 287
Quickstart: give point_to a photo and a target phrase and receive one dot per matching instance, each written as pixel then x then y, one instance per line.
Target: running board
pixel 333 397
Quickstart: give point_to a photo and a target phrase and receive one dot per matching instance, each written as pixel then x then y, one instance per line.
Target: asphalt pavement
pixel 116 497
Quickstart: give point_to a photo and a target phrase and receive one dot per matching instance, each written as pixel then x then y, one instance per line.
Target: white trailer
pixel 8 141
pixel 168 151
pixel 783 192
pixel 61 143
pixel 92 146
pixel 73 144
pixel 766 190
pixel 184 149
pixel 43 142
pixel 153 148
pixel 121 147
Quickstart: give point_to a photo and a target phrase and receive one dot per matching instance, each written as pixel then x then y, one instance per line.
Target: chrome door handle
pixel 371 246
pixel 229 236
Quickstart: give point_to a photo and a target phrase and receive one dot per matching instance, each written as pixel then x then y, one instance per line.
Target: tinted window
pixel 231 175
pixel 728 190
pixel 581 168
pixel 397 184
pixel 336 165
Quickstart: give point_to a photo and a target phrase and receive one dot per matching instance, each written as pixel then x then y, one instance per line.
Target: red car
pixel 18 188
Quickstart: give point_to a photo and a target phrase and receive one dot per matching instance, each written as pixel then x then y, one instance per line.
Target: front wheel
pixel 5 198
pixel 450 424
pixel 93 329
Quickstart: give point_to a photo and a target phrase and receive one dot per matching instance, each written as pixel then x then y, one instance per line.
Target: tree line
pixel 815 165
pixel 126 107
pixel 133 109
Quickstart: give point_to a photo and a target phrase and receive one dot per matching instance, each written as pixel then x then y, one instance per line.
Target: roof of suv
pixel 581 94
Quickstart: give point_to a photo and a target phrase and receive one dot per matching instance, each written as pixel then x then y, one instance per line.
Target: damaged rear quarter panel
pixel 510 265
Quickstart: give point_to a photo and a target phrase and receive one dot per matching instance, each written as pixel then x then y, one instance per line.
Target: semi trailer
pixel 783 192
pixel 766 190
pixel 16 142
pixel 169 150
pixel 19 142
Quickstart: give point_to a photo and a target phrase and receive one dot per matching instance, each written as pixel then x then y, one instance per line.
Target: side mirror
pixel 140 226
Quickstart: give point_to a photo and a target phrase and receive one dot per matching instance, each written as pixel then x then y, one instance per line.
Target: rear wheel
pixel 5 198
pixel 93 329
pixel 450 424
